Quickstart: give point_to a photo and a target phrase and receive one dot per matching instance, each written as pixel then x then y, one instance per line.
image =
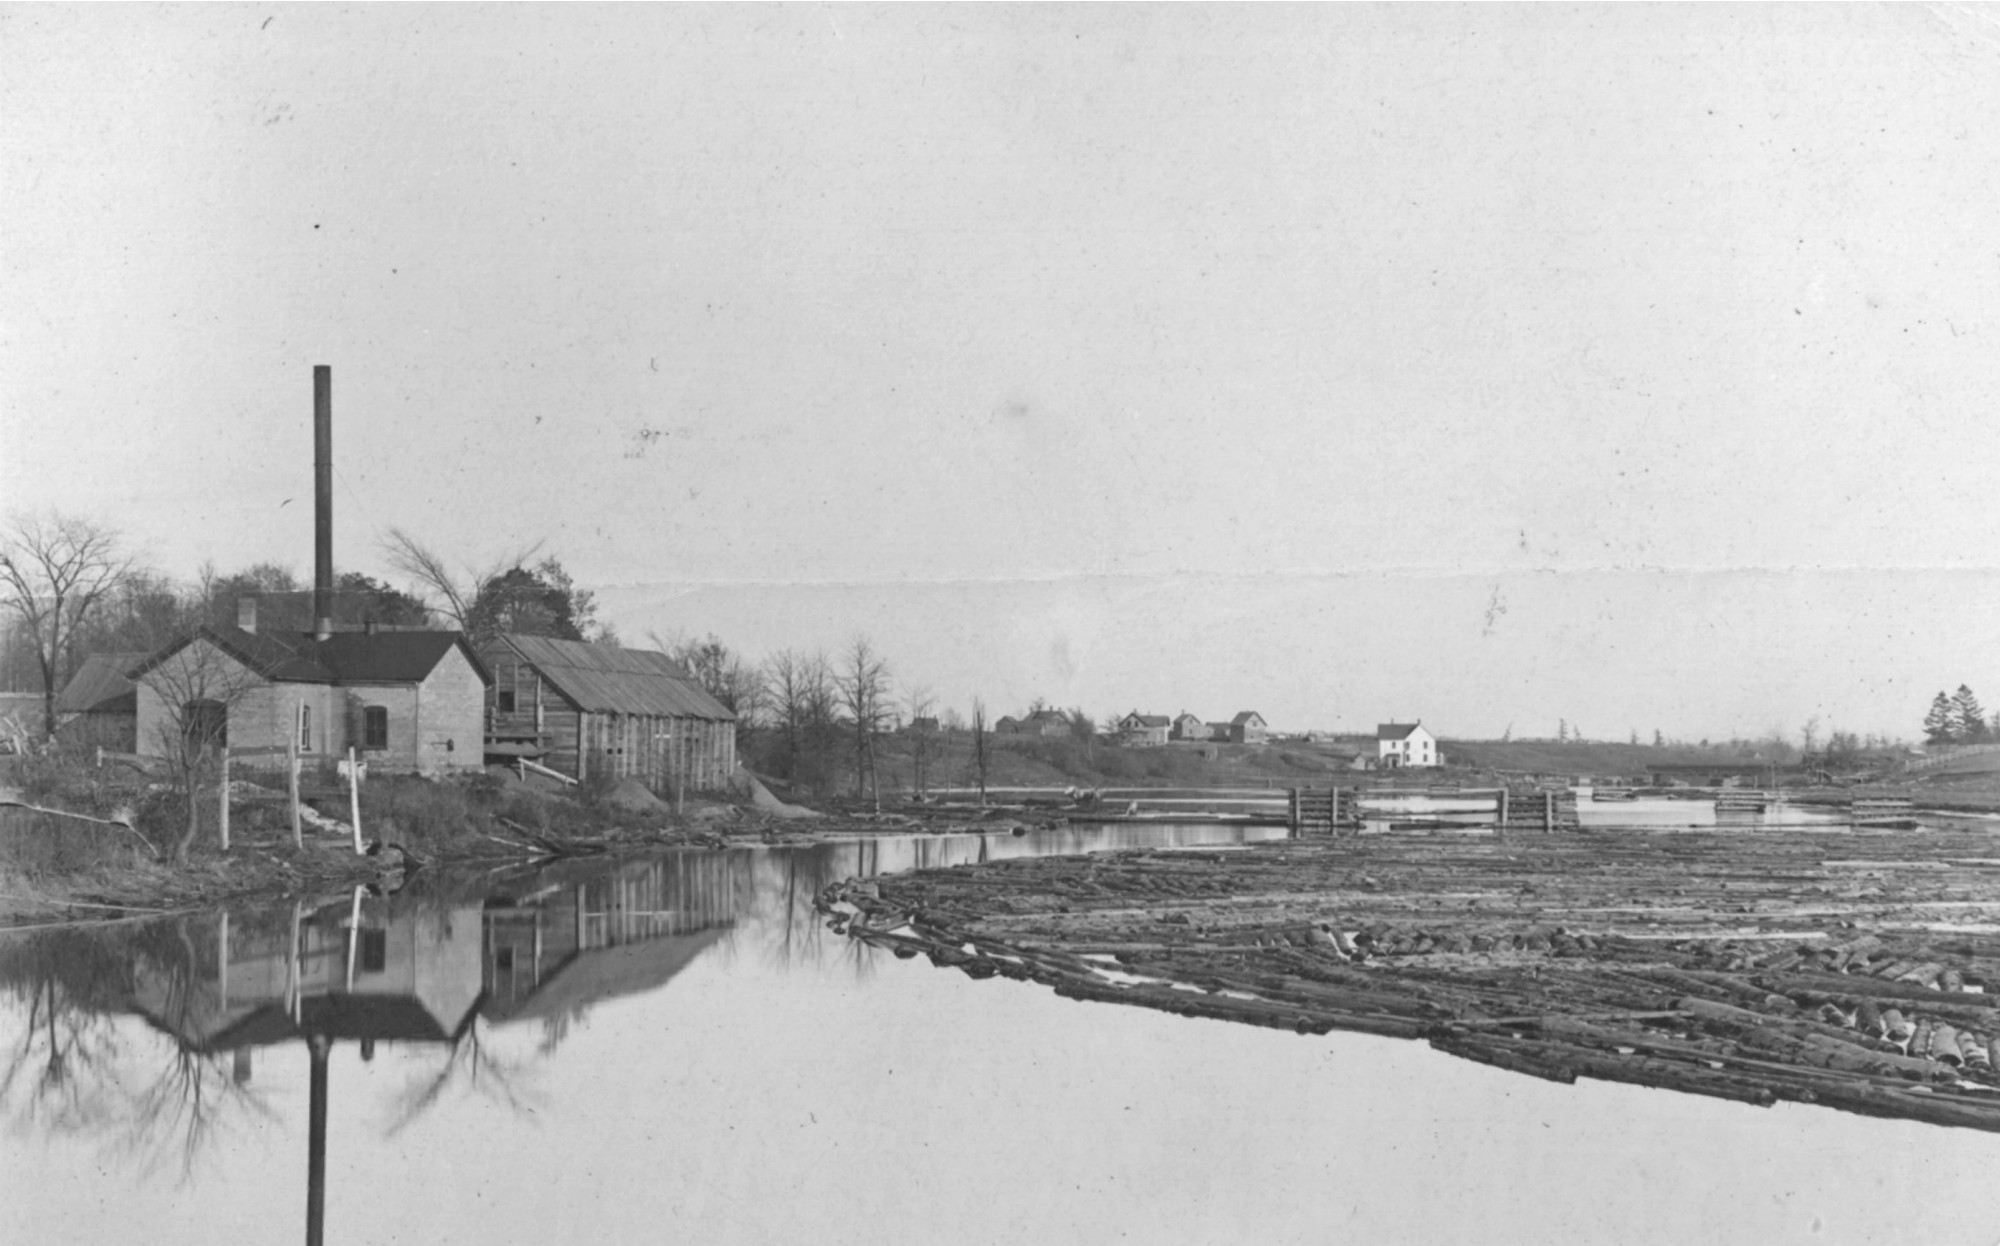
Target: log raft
pixel 1859 971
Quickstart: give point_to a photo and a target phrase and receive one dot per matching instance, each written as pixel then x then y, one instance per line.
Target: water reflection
pixel 440 970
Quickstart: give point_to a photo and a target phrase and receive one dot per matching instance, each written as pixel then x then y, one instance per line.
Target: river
pixel 677 1047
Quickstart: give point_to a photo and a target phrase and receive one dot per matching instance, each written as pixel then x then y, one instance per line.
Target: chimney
pixel 246 614
pixel 322 501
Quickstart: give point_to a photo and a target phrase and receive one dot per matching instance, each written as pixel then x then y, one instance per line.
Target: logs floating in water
pixel 1757 967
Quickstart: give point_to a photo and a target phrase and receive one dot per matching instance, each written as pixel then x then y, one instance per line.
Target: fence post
pixel 222 801
pixel 292 786
pixel 354 798
pixel 1501 801
pixel 1548 811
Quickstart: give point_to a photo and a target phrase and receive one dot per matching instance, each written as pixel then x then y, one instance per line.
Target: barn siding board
pixel 645 718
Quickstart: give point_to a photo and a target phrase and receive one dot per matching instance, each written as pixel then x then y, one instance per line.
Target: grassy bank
pixel 77 840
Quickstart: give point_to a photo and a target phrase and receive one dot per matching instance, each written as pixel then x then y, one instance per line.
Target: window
pixel 305 728
pixel 503 700
pixel 374 951
pixel 205 724
pixel 375 727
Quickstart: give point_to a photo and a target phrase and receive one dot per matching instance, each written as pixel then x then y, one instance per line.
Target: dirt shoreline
pixel 1859 969
pixel 264 868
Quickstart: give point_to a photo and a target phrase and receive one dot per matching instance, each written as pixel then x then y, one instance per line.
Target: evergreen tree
pixel 1938 723
pixel 1968 717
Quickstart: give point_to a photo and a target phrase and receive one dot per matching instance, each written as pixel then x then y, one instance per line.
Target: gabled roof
pixel 1395 731
pixel 1148 720
pixel 602 679
pixel 391 657
pixel 266 655
pixel 1246 716
pixel 344 657
pixel 1044 716
pixel 100 686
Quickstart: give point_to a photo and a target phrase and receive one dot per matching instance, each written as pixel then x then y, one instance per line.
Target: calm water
pixel 678 1048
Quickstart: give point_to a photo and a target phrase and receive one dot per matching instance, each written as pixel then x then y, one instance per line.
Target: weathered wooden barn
pixel 598 711
pixel 99 706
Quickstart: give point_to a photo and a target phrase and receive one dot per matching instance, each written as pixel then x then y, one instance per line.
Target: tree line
pixel 70 587
pixel 1958 718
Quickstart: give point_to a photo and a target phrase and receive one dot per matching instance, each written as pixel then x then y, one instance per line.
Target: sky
pixel 1627 366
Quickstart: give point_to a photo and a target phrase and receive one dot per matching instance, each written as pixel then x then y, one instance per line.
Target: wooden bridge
pixel 1329 810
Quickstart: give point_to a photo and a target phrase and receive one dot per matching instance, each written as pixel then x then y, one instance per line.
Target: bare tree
pixel 197 685
pixel 452 595
pixel 721 672
pixel 56 570
pixel 802 703
pixel 863 682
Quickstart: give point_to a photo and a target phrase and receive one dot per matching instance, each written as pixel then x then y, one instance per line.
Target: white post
pixel 292 784
pixel 353 937
pixel 222 801
pixel 222 960
pixel 354 799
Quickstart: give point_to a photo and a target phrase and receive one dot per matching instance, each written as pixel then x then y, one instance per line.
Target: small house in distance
pixel 1041 722
pixel 1190 727
pixel 1400 745
pixel 589 710
pixel 1144 730
pixel 408 701
pixel 1248 727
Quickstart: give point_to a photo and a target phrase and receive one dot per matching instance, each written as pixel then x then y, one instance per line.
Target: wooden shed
pixel 99 706
pixel 595 710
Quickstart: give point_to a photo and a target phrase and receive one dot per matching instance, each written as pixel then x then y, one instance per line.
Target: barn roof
pixel 100 686
pixel 602 679
pixel 344 657
pixel 605 973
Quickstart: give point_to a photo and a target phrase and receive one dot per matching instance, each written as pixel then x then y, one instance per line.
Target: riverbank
pixel 1850 968
pixel 59 867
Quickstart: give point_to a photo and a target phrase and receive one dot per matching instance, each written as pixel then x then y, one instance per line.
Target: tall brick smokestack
pixel 322 501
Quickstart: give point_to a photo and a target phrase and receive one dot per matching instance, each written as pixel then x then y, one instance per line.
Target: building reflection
pixel 371 969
